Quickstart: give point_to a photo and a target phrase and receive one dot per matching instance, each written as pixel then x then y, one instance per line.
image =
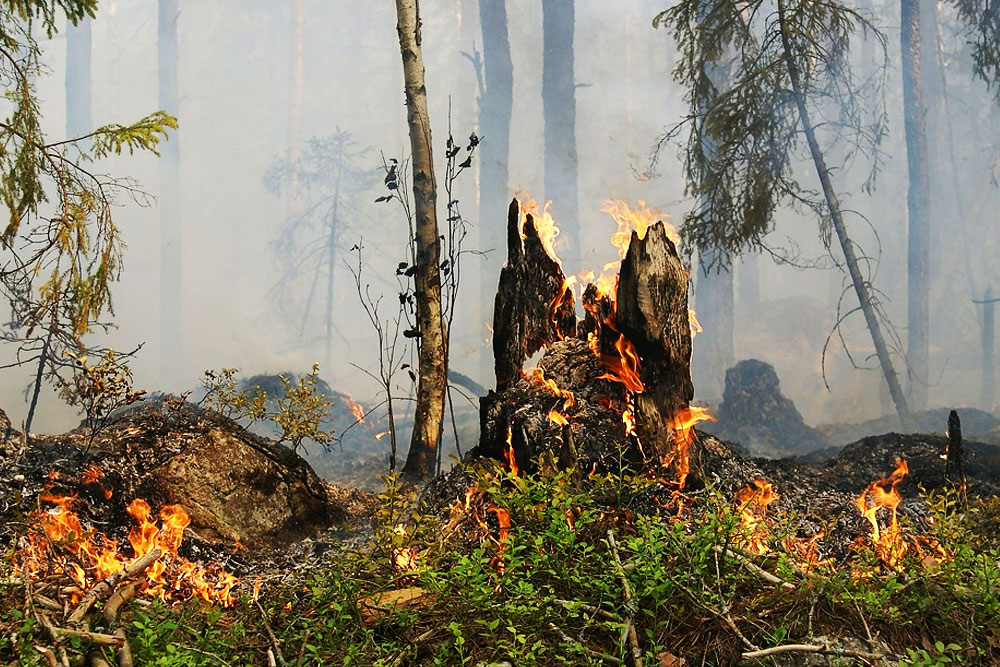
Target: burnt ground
pixel 144 440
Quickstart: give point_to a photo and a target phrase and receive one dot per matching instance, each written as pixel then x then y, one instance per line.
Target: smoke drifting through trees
pixel 234 78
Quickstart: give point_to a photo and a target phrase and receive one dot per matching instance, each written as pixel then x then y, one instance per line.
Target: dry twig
pixel 590 652
pixel 811 648
pixel 108 585
pixel 629 629
pixel 276 655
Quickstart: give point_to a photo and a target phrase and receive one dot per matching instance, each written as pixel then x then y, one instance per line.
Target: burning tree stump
pixel 614 389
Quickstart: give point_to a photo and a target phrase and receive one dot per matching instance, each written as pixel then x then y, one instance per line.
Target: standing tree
pixel 60 250
pixel 171 222
pixel 495 109
pixel 329 182
pixel 559 110
pixel 786 67
pixel 433 380
pixel 917 204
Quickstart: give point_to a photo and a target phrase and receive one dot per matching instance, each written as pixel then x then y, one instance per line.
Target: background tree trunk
pixel 171 238
pixel 713 300
pixel 495 109
pixel 78 117
pixel 918 228
pixel 861 287
pixel 432 382
pixel 559 110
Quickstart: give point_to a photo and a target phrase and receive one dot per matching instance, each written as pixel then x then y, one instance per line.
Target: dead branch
pixel 49 656
pixel 272 638
pixel 826 649
pixel 108 585
pixel 114 603
pixel 125 652
pixel 754 568
pixel 590 652
pixel 590 609
pixel 629 629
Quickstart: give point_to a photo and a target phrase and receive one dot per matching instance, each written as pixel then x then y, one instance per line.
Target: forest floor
pixel 491 566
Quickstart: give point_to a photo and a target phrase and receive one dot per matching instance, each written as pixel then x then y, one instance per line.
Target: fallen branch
pixel 114 603
pixel 50 657
pixel 589 608
pixel 97 638
pixel 629 629
pixel 590 652
pixel 276 655
pixel 108 584
pixel 125 652
pixel 826 649
pixel 753 567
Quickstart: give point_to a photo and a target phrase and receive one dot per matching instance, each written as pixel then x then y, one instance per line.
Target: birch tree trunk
pixel 432 381
pixel 918 226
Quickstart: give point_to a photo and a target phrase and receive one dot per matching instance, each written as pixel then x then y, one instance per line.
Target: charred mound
pixel 236 486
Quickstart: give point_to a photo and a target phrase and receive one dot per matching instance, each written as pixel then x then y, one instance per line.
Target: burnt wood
pixel 533 306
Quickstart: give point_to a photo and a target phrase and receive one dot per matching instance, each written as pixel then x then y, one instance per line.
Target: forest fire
pixel 888 543
pixel 683 424
pixel 752 503
pixel 59 544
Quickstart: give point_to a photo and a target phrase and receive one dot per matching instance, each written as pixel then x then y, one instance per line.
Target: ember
pixel 753 502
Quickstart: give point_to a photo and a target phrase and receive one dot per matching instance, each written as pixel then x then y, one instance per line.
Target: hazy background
pixel 235 71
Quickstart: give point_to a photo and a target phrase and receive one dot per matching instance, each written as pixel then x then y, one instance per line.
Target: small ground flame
pixel 888 543
pixel 60 543
pixel 683 424
pixel 753 502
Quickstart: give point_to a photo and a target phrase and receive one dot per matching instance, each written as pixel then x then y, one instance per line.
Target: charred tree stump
pixel 607 392
pixel 652 313
pixel 533 306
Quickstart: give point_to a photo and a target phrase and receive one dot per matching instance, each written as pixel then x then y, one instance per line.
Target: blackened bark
pixel 533 307
pixel 652 313
pixel 559 110
pixel 917 203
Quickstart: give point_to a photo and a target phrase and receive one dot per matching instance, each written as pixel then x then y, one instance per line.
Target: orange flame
pixel 509 453
pixel 404 558
pixel 889 544
pixel 357 410
pixel 62 544
pixel 623 368
pixel 557 418
pixel 638 219
pixel 545 225
pixel 683 424
pixel 753 503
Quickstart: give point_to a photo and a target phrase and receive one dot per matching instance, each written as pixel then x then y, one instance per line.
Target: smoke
pixel 237 107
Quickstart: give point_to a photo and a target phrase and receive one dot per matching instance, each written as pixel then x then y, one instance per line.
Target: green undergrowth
pixel 551 592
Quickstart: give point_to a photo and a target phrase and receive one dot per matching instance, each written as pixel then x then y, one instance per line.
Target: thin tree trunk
pixel 331 260
pixel 713 301
pixel 833 204
pixel 495 110
pixel 43 357
pixel 918 261
pixel 559 110
pixel 293 203
pixel 433 380
pixel 78 57
pixel 171 239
